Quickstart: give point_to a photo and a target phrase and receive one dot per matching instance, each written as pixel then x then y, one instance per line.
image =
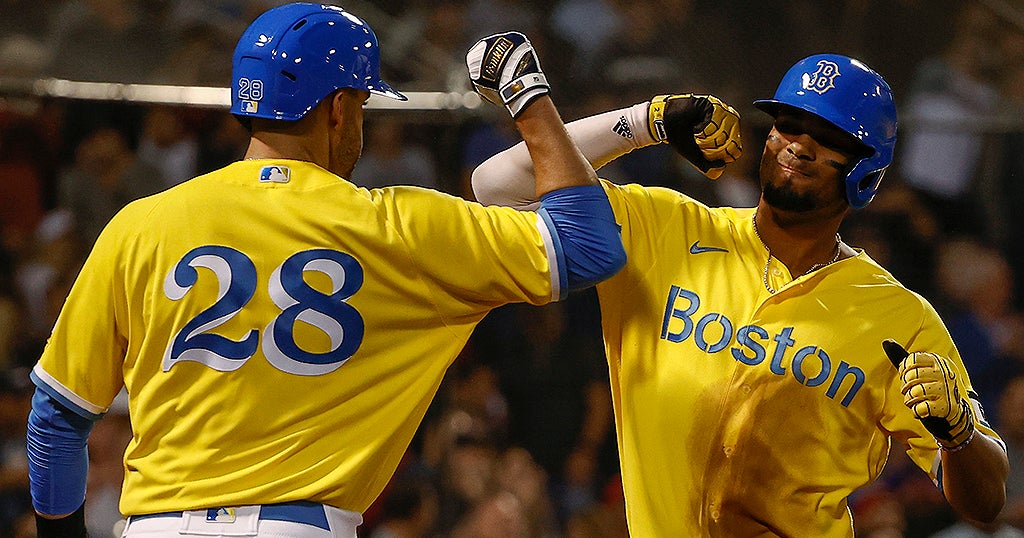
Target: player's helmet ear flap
pixel 853 97
pixel 294 55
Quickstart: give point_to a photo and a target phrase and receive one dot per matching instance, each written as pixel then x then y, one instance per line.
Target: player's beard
pixel 786 198
pixel 345 151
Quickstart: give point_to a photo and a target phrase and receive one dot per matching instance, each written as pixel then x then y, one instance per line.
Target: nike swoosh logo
pixel 695 248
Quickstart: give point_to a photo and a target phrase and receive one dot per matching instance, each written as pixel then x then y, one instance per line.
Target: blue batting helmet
pixel 853 97
pixel 293 56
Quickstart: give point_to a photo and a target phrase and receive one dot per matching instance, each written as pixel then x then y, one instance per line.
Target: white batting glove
pixel 931 392
pixel 505 70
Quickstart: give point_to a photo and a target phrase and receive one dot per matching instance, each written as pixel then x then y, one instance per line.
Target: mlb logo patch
pixel 220 515
pixel 250 107
pixel 275 174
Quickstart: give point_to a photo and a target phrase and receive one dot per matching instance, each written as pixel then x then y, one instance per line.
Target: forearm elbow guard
pixel 590 238
pixel 58 457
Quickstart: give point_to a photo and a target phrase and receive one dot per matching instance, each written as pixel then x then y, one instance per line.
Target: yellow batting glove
pixel 702 128
pixel 930 390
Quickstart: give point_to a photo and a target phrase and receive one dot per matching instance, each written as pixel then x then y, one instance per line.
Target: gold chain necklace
pixel 815 267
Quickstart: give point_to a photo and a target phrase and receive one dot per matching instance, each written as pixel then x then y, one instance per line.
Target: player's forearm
pixel 557 162
pixel 508 177
pixel 974 479
pixel 58 458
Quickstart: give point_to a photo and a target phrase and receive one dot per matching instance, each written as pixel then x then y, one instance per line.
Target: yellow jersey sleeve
pixel 466 253
pixel 81 363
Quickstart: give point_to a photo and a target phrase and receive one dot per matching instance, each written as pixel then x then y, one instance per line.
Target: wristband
pixel 958 447
pixel 69 526
pixel 656 118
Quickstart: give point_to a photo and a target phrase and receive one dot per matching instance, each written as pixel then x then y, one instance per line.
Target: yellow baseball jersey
pixel 745 413
pixel 280 331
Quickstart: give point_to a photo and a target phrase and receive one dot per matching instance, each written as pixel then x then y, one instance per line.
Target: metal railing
pixel 204 96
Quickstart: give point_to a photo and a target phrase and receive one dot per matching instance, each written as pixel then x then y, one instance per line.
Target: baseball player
pixel 280 331
pixel 751 389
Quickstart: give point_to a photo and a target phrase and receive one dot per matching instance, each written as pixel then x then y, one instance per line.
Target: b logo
pixel 823 79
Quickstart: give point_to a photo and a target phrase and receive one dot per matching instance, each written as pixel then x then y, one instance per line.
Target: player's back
pixel 286 330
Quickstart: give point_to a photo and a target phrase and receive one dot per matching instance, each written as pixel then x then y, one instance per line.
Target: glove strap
pixel 967 415
pixel 522 91
pixel 958 447
pixel 656 118
pixel 513 90
pixel 656 115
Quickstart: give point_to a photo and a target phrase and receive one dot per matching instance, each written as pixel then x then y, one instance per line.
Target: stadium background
pixel 104 101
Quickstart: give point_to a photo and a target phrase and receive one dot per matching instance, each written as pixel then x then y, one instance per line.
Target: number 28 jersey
pixel 280 331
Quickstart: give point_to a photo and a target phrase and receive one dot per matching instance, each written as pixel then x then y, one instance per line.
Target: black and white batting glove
pixel 702 128
pixel 505 70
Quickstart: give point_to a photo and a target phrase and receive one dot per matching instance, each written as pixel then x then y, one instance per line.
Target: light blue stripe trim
pixel 556 256
pixel 64 395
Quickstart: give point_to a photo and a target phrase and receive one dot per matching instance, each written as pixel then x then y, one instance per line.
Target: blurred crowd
pixel 520 440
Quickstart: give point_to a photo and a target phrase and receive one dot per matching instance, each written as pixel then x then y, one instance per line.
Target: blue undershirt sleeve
pixel 585 226
pixel 58 457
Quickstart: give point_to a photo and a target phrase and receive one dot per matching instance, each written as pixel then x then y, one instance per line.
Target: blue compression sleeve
pixel 58 459
pixel 590 238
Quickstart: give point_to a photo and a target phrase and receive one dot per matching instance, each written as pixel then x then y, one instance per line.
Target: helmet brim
pixel 385 90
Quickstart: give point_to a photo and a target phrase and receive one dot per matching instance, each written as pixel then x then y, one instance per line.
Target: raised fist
pixel 504 70
pixel 701 128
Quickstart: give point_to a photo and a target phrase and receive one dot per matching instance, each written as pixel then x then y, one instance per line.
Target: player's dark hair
pixel 245 121
pixel 279 126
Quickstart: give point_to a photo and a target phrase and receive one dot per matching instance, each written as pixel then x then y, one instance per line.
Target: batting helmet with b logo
pixel 853 97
